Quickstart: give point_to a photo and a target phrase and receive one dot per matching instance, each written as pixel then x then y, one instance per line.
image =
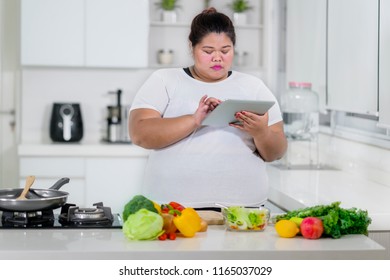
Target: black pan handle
pixel 57 185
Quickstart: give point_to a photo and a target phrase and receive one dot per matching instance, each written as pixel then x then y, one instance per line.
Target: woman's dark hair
pixel 210 21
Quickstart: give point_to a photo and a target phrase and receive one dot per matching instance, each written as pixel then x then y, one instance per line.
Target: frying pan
pixel 37 199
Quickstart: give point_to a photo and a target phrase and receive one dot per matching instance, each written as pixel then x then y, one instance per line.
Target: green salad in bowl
pixel 241 218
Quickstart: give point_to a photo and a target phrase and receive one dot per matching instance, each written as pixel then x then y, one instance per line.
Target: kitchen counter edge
pixel 80 150
pixel 216 243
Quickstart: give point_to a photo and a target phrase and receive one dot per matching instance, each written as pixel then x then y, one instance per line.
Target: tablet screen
pixel 224 113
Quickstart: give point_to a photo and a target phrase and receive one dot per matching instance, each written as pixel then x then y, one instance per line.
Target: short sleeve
pixel 152 94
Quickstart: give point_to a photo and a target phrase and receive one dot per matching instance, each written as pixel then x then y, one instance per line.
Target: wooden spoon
pixel 29 181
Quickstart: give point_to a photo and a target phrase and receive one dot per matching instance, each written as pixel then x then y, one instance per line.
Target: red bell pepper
pixel 177 206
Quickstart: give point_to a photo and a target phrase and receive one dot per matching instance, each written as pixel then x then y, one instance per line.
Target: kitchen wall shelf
pixel 169 24
pixel 249 26
pixel 90 42
pixel 173 36
pixel 186 24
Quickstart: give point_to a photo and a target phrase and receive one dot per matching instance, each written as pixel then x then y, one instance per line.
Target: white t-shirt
pixel 212 165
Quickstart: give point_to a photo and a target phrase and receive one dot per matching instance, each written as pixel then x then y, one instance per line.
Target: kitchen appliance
pixel 70 217
pixel 37 199
pixel 117 130
pixel 66 124
pixel 37 210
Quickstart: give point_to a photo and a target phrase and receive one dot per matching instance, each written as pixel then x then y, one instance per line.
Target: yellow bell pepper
pixel 157 206
pixel 188 223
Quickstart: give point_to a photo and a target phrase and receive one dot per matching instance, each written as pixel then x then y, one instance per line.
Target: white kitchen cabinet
pixel 306 45
pixel 52 33
pixel 384 65
pixel 116 33
pixel 48 170
pixel 52 167
pixel 111 180
pixel 88 33
pixel 352 73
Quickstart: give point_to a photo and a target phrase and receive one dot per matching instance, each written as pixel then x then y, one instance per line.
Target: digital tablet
pixel 224 113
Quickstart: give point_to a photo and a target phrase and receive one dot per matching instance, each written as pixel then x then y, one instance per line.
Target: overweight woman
pixel 199 166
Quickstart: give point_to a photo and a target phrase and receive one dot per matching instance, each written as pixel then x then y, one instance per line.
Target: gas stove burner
pixel 89 213
pixel 72 215
pixel 27 219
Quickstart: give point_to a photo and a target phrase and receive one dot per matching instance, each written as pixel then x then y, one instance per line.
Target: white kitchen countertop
pixel 289 189
pixel 292 189
pixel 216 243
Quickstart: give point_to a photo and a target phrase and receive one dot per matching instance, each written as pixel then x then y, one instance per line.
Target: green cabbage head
pixel 143 225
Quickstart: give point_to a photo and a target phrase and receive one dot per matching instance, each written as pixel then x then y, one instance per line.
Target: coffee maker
pixel 117 131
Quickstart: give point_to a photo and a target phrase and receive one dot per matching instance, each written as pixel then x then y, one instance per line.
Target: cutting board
pixel 211 217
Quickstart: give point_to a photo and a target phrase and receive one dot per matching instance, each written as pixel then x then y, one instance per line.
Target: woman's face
pixel 213 57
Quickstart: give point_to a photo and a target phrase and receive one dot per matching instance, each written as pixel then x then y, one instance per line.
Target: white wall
pixel 9 88
pixel 41 87
pixel 362 160
pixel 365 161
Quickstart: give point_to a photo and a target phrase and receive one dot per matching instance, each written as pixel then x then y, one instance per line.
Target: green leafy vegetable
pixel 337 221
pixel 143 225
pixel 255 219
pixel 136 203
pixel 238 215
pixel 242 218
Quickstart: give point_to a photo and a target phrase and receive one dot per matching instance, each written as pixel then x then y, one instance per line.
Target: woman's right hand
pixel 206 105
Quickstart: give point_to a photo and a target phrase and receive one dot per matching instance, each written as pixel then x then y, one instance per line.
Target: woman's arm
pixel 150 130
pixel 270 141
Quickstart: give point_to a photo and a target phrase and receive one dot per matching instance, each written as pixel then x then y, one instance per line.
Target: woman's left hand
pixel 270 141
pixel 251 123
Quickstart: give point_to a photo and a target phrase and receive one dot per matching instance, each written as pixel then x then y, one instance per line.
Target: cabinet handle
pixel 11 112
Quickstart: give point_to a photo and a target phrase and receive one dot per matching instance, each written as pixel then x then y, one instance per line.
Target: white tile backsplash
pixel 363 160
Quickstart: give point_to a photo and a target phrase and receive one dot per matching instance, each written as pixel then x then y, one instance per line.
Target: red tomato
pixel 172 236
pixel 163 237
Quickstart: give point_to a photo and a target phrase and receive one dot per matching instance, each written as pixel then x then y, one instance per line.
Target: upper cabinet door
pixel 85 33
pixel 306 45
pixel 353 56
pixel 117 33
pixel 384 65
pixel 52 32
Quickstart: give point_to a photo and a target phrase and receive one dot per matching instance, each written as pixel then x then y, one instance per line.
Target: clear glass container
pixel 300 107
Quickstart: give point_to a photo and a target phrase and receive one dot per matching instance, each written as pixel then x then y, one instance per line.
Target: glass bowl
pixel 240 218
